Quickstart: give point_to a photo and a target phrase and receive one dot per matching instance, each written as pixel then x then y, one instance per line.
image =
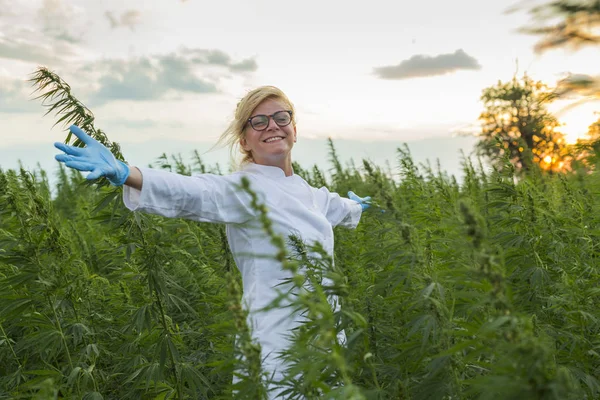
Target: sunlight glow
pixel 577 120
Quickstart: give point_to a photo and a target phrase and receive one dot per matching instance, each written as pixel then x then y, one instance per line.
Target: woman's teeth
pixel 269 140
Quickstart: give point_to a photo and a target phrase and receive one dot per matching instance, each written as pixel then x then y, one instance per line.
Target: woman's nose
pixel 272 124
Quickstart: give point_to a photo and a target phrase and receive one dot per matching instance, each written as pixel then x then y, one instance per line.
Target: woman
pixel 264 127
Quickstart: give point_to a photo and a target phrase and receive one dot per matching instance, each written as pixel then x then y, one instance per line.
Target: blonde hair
pixel 237 128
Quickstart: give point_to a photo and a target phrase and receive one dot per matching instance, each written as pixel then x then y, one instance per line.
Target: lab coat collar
pixel 267 170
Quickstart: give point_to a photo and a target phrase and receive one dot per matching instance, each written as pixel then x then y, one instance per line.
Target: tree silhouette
pixel 574 24
pixel 517 125
pixel 586 152
pixel 570 24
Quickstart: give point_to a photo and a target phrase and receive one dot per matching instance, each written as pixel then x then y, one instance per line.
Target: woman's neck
pixel 284 165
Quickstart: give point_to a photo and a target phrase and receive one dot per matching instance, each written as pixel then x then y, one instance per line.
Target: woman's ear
pixel 244 144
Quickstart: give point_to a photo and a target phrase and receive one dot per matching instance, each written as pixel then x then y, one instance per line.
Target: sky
pixel 165 76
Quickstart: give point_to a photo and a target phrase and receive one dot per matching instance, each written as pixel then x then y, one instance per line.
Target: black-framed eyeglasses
pixel 260 122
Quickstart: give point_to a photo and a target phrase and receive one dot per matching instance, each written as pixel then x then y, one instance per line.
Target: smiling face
pixel 272 146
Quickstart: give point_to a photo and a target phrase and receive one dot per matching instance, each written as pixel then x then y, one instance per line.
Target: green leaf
pixel 92 396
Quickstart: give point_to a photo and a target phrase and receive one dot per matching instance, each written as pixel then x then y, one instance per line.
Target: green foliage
pixel 483 289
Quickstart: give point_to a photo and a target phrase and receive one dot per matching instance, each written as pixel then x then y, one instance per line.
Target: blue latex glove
pixel 93 157
pixel 365 202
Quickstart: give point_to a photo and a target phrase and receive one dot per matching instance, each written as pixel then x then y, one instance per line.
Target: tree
pixel 586 152
pixel 570 24
pixel 594 131
pixel 516 124
pixel 575 24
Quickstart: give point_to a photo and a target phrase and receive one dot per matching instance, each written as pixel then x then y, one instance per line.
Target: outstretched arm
pixel 340 211
pixel 207 198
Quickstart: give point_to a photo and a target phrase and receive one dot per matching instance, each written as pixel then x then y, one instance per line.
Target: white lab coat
pixel 294 207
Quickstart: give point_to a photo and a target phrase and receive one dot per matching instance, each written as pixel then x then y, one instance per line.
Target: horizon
pixel 307 153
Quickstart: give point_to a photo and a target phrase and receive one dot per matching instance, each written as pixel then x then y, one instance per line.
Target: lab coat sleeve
pixel 205 197
pixel 338 210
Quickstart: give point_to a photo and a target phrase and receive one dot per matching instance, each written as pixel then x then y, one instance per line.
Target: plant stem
pixel 10 346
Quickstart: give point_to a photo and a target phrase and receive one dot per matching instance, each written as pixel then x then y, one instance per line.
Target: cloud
pixel 57 17
pixel 245 65
pixel 422 65
pixel 6 8
pixel 146 79
pixel 153 77
pixel 128 19
pixel 23 47
pixel 44 37
pixel 15 97
pixel 218 57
